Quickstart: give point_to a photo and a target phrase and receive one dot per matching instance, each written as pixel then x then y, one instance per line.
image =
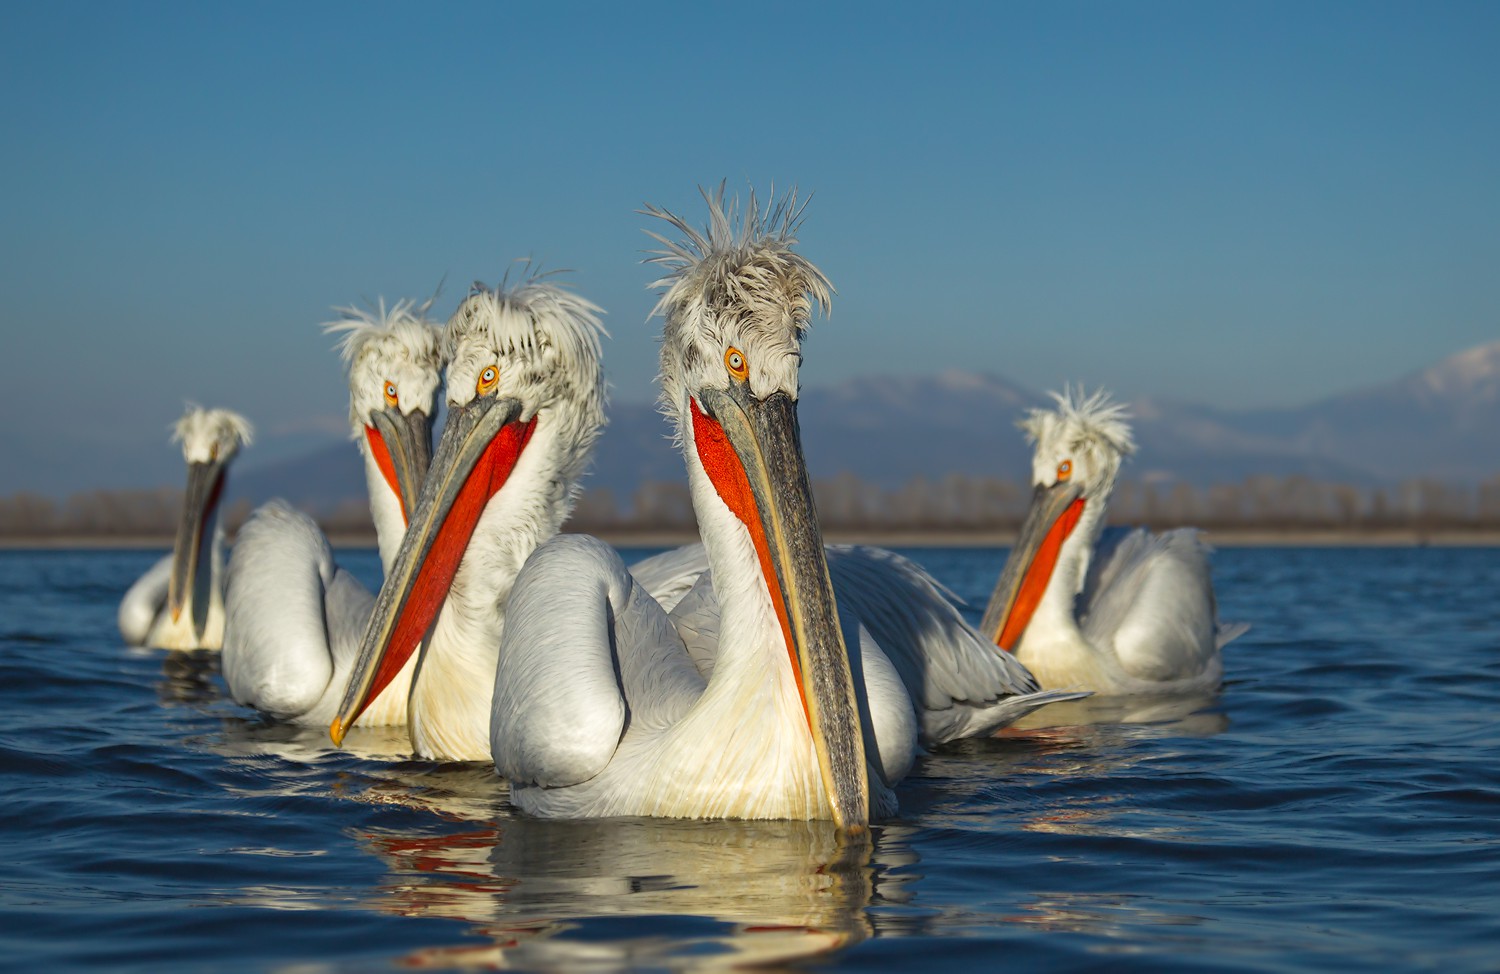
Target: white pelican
pixel 746 700
pixel 525 405
pixel 179 602
pixel 294 616
pixel 1140 616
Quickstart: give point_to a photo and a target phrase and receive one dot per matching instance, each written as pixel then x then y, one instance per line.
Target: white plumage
pixel 744 692
pixel 179 602
pixel 294 616
pixel 958 685
pixel 525 405
pixel 1117 612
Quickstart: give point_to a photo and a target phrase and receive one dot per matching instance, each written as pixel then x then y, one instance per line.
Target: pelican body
pixel 179 602
pixel 525 385
pixel 294 616
pixel 1129 612
pixel 764 692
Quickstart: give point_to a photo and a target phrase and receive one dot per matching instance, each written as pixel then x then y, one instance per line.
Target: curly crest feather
pixel 211 433
pixel 548 342
pixel 742 261
pixel 1081 422
pixel 406 322
pixel 739 276
pixel 533 315
pixel 381 344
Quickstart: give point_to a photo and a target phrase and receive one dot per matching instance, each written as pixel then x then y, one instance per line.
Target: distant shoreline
pixel 1243 538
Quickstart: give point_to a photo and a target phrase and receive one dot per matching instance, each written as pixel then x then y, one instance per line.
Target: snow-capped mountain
pixel 1441 422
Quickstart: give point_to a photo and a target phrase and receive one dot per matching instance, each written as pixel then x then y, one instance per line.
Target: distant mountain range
pixel 1441 422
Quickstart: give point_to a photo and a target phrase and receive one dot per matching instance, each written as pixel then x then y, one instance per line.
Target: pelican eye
pixel 488 379
pixel 391 399
pixel 734 361
pixel 1064 470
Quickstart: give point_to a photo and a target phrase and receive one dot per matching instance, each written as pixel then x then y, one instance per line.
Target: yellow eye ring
pixel 489 377
pixel 391 399
pixel 1064 470
pixel 734 361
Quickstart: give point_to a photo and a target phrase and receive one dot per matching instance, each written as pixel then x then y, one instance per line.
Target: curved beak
pixel 191 565
pixel 402 446
pixel 1053 515
pixel 752 451
pixel 480 446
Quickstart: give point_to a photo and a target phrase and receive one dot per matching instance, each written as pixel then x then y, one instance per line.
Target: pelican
pixel 755 697
pixel 294 616
pixel 179 602
pixel 525 405
pixel 1138 615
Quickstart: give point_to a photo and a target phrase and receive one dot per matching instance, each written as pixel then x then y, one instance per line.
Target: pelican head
pixel 395 359
pixel 210 438
pixel 1079 448
pixel 525 404
pixel 737 300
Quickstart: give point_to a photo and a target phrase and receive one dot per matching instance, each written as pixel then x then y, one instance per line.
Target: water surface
pixel 1336 806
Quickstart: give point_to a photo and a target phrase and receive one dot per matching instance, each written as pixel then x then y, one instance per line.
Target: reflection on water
pixel 1100 914
pixel 629 892
pixel 1166 715
pixel 598 894
pixel 187 676
pixel 1092 739
pixel 1299 833
pixel 255 735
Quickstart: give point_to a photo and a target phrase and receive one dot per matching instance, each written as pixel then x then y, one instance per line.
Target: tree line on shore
pixel 954 504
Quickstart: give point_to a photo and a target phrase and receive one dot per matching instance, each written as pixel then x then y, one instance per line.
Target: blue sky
pixel 1244 204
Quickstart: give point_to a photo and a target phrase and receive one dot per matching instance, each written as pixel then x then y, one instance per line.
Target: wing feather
pixel 276 649
pixel 586 653
pixel 960 684
pixel 144 601
pixel 1154 606
pixel 672 574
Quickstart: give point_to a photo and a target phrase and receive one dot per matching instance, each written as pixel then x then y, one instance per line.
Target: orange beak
pixel 482 442
pixel 1053 515
pixel 752 452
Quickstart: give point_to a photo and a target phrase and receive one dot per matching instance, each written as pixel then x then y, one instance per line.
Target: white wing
pixel 592 673
pixel 960 685
pixel 1151 601
pixel 670 575
pixel 696 619
pixel 284 599
pixel 144 601
pixel 1116 547
pixel 585 651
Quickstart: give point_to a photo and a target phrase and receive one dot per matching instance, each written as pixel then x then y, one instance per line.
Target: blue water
pixel 1336 806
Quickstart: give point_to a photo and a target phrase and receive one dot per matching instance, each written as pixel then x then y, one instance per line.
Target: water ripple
pixel 1335 807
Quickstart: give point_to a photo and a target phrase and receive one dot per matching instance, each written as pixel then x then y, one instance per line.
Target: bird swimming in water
pixel 764 692
pixel 1123 612
pixel 179 602
pixel 294 616
pixel 525 387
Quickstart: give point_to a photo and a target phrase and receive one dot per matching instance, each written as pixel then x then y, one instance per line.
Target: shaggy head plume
pixel 398 346
pixel 211 434
pixel 739 279
pixel 1090 430
pixel 545 340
